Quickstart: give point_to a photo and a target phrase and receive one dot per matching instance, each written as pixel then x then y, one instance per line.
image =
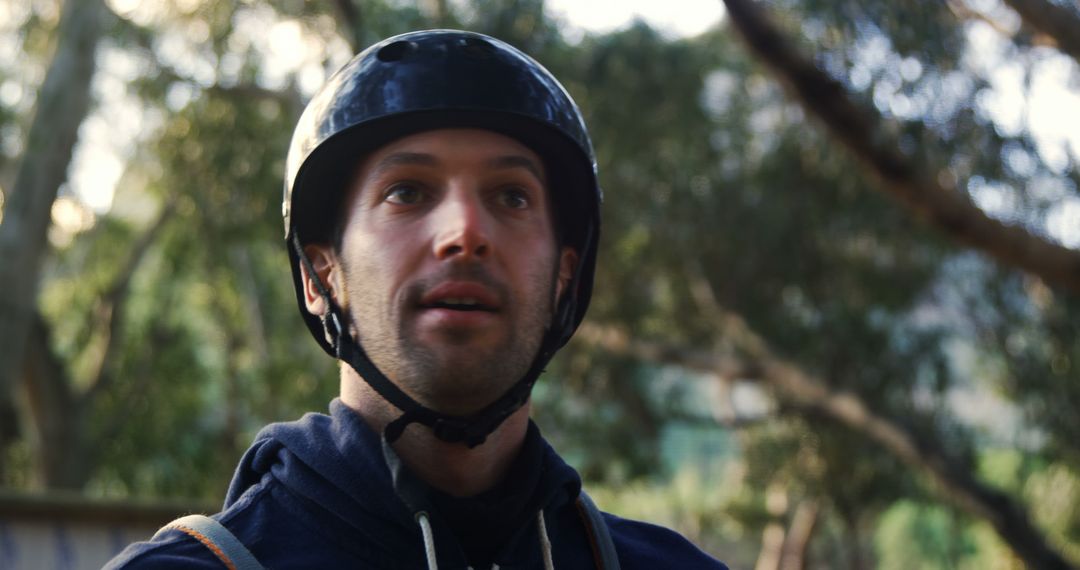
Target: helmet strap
pixel 472 429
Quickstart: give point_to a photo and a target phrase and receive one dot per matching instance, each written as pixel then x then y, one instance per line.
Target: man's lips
pixel 461 296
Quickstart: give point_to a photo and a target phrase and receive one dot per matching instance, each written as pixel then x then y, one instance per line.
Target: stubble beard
pixel 456 377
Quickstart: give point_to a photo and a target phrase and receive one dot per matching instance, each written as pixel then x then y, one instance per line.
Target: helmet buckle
pixel 450 429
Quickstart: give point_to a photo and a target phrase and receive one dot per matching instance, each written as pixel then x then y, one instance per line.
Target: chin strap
pixel 472 429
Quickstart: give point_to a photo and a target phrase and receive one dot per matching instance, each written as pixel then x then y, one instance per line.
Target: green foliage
pixel 699 506
pixel 1054 493
pixel 910 535
pixel 918 535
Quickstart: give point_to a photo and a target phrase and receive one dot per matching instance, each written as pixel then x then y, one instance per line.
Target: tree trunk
pixel 774 535
pixel 797 541
pixel 352 24
pixel 440 13
pixel 772 547
pixel 62 104
pixel 855 557
pixel 60 453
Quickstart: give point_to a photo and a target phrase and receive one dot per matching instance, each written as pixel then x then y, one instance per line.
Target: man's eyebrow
pixel 423 159
pixel 518 161
pixel 402 159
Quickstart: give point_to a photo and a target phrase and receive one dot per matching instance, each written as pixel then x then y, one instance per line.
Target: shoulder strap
pixel 218 539
pixel 599 538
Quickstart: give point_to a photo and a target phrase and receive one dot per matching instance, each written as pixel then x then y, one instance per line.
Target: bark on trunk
pixel 60 453
pixel 800 531
pixel 353 24
pixel 774 535
pixel 772 547
pixel 442 13
pixel 63 101
pixel 855 556
pixel 947 208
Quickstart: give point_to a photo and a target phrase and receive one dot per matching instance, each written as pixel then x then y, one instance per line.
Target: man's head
pixel 482 147
pixel 447 265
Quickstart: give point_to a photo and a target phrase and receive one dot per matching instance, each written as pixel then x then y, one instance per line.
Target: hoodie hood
pixel 339 464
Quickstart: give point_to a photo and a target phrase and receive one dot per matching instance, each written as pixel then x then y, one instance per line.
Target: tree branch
pixel 950 210
pixel 110 309
pixel 616 341
pixel 289 97
pixel 354 26
pixel 804 390
pixel 440 13
pixel 1057 22
pixel 144 370
pixel 961 10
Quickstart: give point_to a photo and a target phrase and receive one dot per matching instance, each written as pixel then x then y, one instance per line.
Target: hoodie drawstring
pixel 429 541
pixel 545 544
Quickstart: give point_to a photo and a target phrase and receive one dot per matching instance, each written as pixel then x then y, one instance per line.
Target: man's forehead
pixel 475 147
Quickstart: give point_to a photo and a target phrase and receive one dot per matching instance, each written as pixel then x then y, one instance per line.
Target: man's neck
pixel 452 468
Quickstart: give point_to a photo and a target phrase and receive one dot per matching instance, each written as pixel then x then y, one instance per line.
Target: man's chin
pixel 461 371
pixel 453 345
pixel 468 381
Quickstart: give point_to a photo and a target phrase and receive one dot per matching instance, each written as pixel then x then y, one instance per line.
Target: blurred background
pixel 837 316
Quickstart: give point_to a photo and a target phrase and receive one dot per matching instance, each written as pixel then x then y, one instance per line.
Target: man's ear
pixel 567 264
pixel 324 261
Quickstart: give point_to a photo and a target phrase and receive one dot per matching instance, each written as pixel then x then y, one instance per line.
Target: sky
pixel 677 17
pixel 99 163
pixel 1048 107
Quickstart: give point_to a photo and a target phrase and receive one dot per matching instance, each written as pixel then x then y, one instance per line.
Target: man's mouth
pixel 461 296
pixel 460 304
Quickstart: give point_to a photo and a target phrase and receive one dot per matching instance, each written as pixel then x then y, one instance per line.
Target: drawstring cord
pixel 429 541
pixel 545 544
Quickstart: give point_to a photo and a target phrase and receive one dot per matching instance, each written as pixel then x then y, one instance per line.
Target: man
pixel 442 216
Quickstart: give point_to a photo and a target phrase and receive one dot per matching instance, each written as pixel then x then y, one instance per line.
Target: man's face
pixel 448 264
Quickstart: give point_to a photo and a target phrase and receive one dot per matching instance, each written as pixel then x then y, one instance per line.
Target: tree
pixel 62 103
pixel 953 212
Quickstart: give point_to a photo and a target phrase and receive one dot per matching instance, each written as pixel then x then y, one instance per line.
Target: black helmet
pixel 422 81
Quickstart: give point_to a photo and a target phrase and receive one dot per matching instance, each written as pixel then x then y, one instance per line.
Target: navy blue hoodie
pixel 324 492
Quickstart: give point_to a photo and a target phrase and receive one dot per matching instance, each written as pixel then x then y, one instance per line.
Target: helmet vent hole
pixel 395 51
pixel 477 47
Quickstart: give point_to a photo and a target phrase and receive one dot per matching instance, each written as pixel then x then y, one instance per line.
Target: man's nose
pixel 462 227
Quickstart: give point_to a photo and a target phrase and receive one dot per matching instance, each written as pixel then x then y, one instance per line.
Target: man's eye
pixel 404 194
pixel 515 198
